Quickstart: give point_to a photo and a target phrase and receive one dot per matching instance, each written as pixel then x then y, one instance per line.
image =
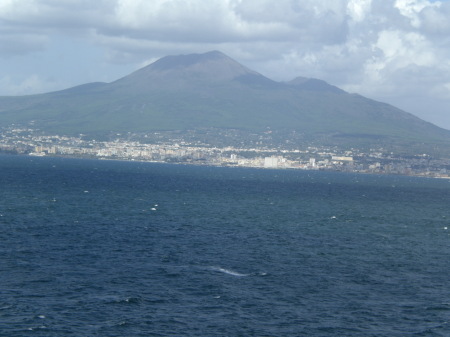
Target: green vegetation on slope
pixel 212 90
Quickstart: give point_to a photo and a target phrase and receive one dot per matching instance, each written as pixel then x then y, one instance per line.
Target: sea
pixel 111 248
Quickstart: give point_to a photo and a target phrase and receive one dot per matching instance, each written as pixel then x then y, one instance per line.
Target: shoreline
pixel 32 155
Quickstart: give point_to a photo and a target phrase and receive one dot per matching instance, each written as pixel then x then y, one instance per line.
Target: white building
pixel 271 162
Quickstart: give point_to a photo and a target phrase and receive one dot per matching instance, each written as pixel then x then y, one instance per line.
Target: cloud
pixel 435 20
pixel 182 22
pixel 31 84
pixel 317 36
pixel 21 43
pixel 382 49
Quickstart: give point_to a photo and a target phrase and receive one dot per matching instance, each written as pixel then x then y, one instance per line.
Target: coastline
pixel 225 165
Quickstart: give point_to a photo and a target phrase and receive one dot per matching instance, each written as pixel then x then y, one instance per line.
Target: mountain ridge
pixel 212 66
pixel 213 90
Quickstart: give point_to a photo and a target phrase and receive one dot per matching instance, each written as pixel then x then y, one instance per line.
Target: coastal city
pixel 179 150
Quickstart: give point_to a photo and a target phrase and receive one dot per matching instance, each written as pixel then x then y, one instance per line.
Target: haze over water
pixel 103 248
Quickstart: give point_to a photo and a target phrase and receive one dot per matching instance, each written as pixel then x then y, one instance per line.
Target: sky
pixel 394 51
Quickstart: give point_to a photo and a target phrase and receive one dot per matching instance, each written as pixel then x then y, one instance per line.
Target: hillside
pixel 212 90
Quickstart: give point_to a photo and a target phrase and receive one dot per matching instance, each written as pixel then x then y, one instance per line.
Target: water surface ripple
pixel 102 248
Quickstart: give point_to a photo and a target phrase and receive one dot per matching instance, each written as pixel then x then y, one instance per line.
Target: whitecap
pixel 39 327
pixel 228 271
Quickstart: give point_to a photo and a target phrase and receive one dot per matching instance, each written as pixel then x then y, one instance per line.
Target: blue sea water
pixel 103 248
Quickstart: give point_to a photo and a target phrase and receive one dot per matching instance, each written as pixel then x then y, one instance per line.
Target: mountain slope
pixel 213 90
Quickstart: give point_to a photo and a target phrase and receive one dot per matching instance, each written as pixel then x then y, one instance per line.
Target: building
pixel 271 162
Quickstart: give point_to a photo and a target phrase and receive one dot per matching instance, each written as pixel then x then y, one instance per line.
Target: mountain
pixel 212 90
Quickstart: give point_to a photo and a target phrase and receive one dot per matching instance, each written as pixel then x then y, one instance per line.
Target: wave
pixel 228 271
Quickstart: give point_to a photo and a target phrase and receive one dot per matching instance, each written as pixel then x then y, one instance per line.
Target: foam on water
pixel 228 271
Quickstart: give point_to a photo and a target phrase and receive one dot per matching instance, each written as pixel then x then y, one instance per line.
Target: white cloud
pixel 402 49
pixel 358 9
pixel 412 8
